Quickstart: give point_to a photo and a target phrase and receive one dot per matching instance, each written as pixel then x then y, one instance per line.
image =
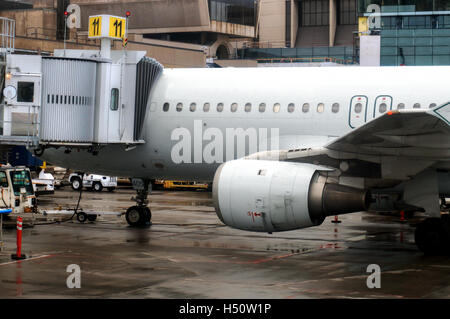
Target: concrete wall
pixel 272 22
pixel 42 22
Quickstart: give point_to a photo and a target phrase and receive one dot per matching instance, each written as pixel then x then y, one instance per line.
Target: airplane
pixel 287 147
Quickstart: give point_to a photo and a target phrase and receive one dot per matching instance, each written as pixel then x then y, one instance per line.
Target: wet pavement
pixel 188 253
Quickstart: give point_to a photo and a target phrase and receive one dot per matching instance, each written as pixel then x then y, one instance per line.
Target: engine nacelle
pixel 269 196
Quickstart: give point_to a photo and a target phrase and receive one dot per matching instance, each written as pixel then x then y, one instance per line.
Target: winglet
pixel 443 112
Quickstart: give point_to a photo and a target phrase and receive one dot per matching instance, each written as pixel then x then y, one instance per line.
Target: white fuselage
pixel 246 89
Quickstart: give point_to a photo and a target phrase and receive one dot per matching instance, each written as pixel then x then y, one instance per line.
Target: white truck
pixel 92 181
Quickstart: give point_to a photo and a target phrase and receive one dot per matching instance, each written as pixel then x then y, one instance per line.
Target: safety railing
pixel 7 34
pixel 306 60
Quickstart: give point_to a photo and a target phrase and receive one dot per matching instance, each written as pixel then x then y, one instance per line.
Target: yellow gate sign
pixel 95 26
pixel 117 27
pixel 107 26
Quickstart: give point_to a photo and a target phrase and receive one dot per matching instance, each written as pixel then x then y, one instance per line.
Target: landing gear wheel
pixel 76 183
pixel 433 236
pixel 82 217
pixel 148 215
pixel 137 216
pixel 97 187
pixel 92 218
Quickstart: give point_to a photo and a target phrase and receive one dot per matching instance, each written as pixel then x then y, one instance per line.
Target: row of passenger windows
pixel 383 107
pixel 68 99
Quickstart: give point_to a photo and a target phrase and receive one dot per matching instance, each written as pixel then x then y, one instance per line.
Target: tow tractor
pixel 16 189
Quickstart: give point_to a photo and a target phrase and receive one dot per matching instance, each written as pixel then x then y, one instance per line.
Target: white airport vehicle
pixel 285 147
pixel 44 183
pixel 92 181
pixel 16 190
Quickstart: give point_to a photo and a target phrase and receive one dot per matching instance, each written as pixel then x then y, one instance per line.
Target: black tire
pixel 148 214
pixel 92 218
pixel 97 187
pixel 111 189
pixel 82 217
pixel 76 183
pixel 136 216
pixel 432 236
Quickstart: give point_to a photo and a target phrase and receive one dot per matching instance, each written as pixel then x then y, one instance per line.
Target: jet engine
pixel 269 196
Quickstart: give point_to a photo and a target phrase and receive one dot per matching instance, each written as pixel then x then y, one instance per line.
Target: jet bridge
pixel 76 98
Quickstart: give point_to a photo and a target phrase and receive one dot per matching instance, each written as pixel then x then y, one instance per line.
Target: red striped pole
pixel 18 255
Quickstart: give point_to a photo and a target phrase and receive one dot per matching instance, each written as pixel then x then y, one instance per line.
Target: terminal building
pixel 186 33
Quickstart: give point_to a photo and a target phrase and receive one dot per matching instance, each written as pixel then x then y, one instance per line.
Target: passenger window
pixel 114 103
pixel 276 107
pixel 335 108
pixel 416 105
pixel 220 107
pixel 305 108
pixel 358 108
pixel 166 107
pixel 179 107
pixel 400 106
pixel 206 107
pixel 234 107
pixel 57 99
pixel 320 108
pixel 433 105
pixel 25 92
pixel 383 108
pixel 248 107
pixel 193 107
pixel 262 107
pixel 291 107
pixel 48 98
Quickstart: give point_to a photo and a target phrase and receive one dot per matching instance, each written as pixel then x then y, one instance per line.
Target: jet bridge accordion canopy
pixel 147 71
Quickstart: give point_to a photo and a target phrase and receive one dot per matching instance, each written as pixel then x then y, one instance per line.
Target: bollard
pixel 18 255
pixel 402 216
pixel 336 220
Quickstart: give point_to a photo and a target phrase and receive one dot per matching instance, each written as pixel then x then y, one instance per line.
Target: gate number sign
pixel 106 26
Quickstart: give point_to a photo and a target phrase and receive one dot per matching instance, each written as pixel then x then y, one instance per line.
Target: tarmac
pixel 189 253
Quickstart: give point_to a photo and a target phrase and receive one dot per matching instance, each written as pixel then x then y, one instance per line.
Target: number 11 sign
pixel 106 26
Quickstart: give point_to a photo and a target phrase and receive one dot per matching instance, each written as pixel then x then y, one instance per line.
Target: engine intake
pixel 269 196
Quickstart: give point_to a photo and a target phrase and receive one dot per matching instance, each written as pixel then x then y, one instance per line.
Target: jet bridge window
pixel 291 107
pixel 25 92
pixel 193 107
pixel 234 107
pixel 114 103
pixel 305 108
pixel 179 107
pixel 166 107
pixel 206 107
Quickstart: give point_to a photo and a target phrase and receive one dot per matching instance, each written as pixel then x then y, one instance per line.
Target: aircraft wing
pixel 405 133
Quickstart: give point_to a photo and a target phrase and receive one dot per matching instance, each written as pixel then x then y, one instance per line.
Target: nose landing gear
pixel 140 215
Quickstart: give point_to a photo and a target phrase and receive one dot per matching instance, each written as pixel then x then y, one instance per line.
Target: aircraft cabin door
pixel 383 104
pixel 358 111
